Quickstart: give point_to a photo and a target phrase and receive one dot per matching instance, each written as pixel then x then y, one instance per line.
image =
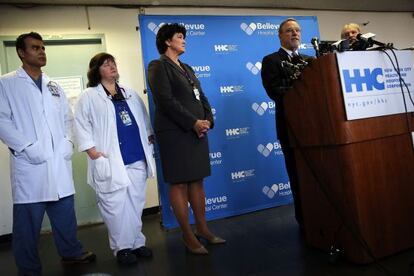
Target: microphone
pixel 369 38
pixel 341 45
pixel 315 44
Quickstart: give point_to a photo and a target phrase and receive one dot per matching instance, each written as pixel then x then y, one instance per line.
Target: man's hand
pixel 94 154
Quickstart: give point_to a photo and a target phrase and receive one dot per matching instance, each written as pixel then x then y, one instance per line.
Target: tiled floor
pixel 267 242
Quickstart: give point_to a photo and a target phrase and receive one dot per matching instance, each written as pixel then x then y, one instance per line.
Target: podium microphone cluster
pixel 369 38
pixel 315 44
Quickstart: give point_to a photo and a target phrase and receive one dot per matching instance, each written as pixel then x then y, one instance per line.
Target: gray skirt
pixel 184 156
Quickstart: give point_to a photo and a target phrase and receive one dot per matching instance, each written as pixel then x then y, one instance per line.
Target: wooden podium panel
pixel 356 177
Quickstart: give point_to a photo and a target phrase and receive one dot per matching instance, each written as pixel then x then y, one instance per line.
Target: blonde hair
pixel 347 26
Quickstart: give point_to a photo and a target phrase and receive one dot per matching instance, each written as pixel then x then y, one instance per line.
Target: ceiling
pixel 347 5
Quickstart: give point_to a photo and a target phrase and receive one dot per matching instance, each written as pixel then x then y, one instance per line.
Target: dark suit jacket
pixel 176 104
pixel 275 78
pixel 276 82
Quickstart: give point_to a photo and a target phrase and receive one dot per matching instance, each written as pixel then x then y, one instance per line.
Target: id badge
pixel 196 93
pixel 126 119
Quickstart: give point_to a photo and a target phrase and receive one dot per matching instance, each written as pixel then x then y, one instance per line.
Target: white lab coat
pixel 36 126
pixel 95 126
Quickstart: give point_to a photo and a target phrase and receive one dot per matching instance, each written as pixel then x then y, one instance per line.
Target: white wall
pixel 123 41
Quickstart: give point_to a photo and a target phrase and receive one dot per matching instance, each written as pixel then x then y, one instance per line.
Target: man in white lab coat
pixel 35 123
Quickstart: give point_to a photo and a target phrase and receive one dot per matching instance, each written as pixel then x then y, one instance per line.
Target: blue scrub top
pixel 130 142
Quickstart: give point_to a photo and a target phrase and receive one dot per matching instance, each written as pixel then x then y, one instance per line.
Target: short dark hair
pixel 94 76
pixel 286 21
pixel 20 41
pixel 166 32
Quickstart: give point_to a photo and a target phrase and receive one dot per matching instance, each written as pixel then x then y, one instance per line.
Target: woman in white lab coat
pixel 113 128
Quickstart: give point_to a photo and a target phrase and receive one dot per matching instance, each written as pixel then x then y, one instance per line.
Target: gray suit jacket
pixel 176 104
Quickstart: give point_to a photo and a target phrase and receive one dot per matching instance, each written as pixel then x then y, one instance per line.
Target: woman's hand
pixel 201 127
pixel 94 154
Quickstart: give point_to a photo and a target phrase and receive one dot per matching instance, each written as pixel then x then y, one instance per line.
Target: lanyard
pixel 183 70
pixel 118 96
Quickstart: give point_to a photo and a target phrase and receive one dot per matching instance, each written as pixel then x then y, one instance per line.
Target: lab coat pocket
pixel 66 149
pixel 34 153
pixel 102 174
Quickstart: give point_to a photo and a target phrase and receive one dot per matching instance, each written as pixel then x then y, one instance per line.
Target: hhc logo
pixel 371 78
pixel 237 132
pixel 229 89
pixel 154 27
pixel 254 68
pixel 226 89
pixel 242 175
pixel 248 29
pixel 223 48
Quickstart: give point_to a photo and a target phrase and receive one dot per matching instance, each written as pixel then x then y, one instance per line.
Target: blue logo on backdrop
pixel 265 28
pixel 216 203
pixel 225 53
pixel 225 48
pixel 214 111
pixel 216 158
pixel 153 27
pixel 371 79
pixel 228 90
pixel 265 150
pixel 304 46
pixel 240 176
pixel 254 68
pixel 193 29
pixel 281 189
pixel 260 109
pixel 202 71
pixel 234 133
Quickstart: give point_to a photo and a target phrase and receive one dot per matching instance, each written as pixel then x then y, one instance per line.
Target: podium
pixel 356 177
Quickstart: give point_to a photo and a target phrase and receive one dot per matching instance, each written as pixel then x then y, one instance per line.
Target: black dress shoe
pixel 126 257
pixel 142 252
pixel 86 258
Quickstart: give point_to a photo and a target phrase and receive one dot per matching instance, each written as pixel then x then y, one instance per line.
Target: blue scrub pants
pixel 27 222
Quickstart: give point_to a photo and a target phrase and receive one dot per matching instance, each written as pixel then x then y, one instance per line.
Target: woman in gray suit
pixel 182 119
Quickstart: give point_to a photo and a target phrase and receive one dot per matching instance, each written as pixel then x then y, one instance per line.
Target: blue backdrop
pixel 248 171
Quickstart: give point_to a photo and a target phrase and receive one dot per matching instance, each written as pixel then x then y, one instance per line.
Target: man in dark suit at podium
pixel 276 80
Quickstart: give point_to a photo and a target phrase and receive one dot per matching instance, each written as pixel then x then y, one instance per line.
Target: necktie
pixel 295 57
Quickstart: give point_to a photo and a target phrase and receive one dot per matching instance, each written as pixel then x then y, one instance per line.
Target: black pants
pixel 290 162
